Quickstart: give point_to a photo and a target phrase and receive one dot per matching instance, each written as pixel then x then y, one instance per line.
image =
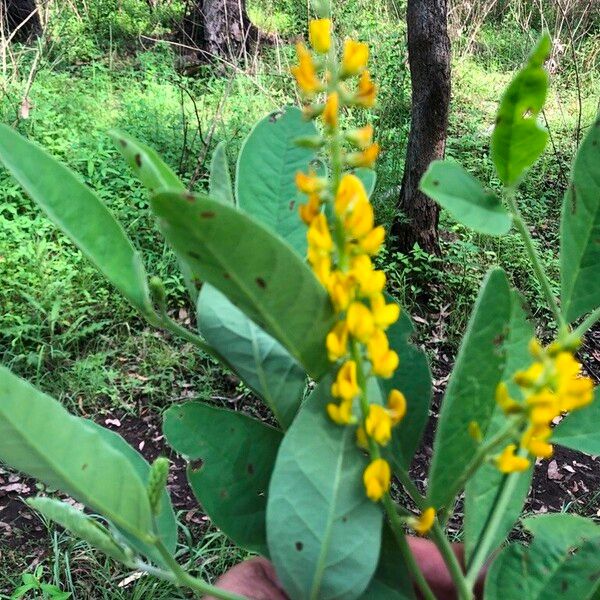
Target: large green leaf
pixel 80 524
pixel 518 139
pixel 413 379
pixel 261 362
pixel 231 458
pixel 266 170
pixel 323 532
pixel 580 430
pixel 580 231
pixel 256 270
pixel 368 178
pixel 471 390
pixel 147 165
pixel 563 561
pixel 465 198
pixel 219 185
pixel 39 437
pixel 482 488
pixel 79 213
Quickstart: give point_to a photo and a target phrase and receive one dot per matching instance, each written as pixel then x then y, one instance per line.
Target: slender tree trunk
pixel 429 58
pixel 15 15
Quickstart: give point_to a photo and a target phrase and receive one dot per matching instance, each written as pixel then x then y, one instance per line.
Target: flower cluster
pixel 342 241
pixel 550 386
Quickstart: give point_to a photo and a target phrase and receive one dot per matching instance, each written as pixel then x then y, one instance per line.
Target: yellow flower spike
pixel 331 110
pixel 318 235
pixel 360 220
pixel 579 393
pixel 508 462
pixel 367 91
pixel 337 342
pixel 530 376
pixel 305 73
pixel 383 360
pixel 378 424
pixel 475 431
pixel 309 184
pixel 321 265
pixel 355 57
pixel 346 386
pixel 544 406
pixel 534 440
pixel 340 289
pixel 369 280
pixel 311 209
pixel 319 35
pixel 341 414
pixel 366 158
pixel 396 404
pixel 373 241
pixel 351 192
pixel 384 314
pixel 424 522
pixel 362 138
pixel 361 438
pixel 377 478
pixel 505 402
pixel 360 322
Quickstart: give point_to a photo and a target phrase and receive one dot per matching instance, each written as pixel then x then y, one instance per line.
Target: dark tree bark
pixel 220 28
pixel 14 13
pixel 429 58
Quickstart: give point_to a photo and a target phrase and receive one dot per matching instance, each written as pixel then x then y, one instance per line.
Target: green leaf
pixel 258 272
pixel 580 231
pixel 40 438
pixel 147 165
pixel 261 362
pixel 324 533
pixel 368 178
pixel 79 213
pixel 231 459
pixel 481 489
pixel 413 379
pixel 549 567
pixel 79 524
pixel 392 579
pixel 266 171
pixel 219 185
pixel 465 198
pixel 518 139
pixel 579 430
pixel 470 395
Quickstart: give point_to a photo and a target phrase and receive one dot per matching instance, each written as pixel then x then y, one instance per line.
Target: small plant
pixel 314 493
pixel 34 587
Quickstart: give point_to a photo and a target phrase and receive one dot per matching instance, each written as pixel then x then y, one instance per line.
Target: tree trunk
pixel 429 59
pixel 219 28
pixel 15 13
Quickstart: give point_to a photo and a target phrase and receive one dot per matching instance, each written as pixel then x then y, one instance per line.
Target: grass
pixel 65 329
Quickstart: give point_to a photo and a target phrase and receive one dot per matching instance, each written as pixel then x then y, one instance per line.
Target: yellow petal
pixel 320 35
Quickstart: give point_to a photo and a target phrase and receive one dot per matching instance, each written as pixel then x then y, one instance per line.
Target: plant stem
pixel 184 578
pixel 586 324
pixel 167 323
pixel 536 262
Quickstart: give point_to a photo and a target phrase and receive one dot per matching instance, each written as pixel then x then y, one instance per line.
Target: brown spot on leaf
pixel 261 283
pixel 189 197
pixel 138 160
pixel 84 466
pixel 207 214
pixel 275 116
pixel 435 182
pixel 299 546
pixel 226 276
pixel 123 143
pixel 224 494
pixel 499 340
pixel 292 204
pixel 196 465
pixel 194 254
pixel 250 469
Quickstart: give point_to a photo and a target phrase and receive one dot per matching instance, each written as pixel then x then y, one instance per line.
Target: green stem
pixel 585 325
pixel 185 579
pixel 167 323
pixel 536 262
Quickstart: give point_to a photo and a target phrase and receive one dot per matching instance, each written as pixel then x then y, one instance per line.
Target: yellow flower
pixel 396 406
pixel 311 209
pixel 355 58
pixel 362 138
pixel 475 431
pixel 543 407
pixel 508 462
pixel 369 280
pixel 534 440
pixel 424 522
pixel 383 360
pixel 319 236
pixel 321 264
pixel 384 314
pixel 346 386
pixel 360 220
pixel 530 376
pixel 361 438
pixel 340 413
pixel 330 112
pixel 574 391
pixel 367 91
pixel 305 73
pixel 366 158
pixel 360 321
pixel 505 402
pixel 378 424
pixel 377 477
pixel 337 342
pixel 340 288
pixel 320 35
pixel 350 192
pixel 372 242
pixel 309 184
